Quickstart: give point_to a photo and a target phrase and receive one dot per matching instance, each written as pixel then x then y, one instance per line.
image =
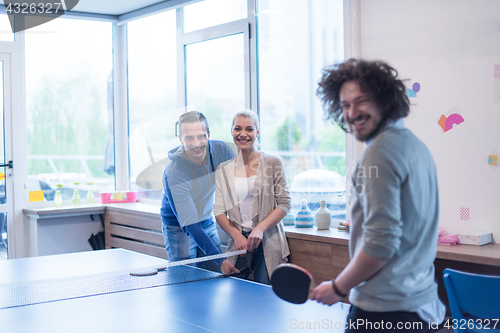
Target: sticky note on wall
pixel 492 159
pixel 35 196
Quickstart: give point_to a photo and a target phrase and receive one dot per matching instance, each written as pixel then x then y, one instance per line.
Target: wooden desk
pixel 319 250
pixel 136 227
pixel 132 226
pixel 488 254
pixel 467 258
pixel 325 253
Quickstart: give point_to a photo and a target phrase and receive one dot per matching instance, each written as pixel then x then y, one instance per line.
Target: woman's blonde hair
pixel 247 114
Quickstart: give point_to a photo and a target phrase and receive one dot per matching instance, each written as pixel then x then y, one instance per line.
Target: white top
pixel 244 191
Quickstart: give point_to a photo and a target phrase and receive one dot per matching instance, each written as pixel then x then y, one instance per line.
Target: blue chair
pixel 478 295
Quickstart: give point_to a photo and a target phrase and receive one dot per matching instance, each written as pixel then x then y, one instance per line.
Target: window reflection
pixel 297 39
pixel 152 74
pixel 215 81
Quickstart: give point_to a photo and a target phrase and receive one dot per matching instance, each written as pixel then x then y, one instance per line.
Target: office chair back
pixel 476 294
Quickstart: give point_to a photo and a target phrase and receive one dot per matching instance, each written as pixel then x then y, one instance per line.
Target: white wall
pixel 449 47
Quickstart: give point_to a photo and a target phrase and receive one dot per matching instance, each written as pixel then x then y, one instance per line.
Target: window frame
pixel 245 26
pixel 20 38
pixel 248 26
pixel 206 34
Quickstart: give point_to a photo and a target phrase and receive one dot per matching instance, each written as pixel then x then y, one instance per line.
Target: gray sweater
pixel 395 211
pixel 270 192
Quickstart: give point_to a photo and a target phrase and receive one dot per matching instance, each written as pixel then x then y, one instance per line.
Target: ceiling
pixel 112 7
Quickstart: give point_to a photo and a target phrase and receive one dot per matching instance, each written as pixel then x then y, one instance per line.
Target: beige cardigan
pixel 270 191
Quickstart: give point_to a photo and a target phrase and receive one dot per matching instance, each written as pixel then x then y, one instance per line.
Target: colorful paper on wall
pixel 412 92
pixel 496 83
pixel 453 119
pixel 465 213
pixel 492 160
pixel 35 196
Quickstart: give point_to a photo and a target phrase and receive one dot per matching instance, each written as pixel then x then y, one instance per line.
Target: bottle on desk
pixel 58 201
pixel 76 196
pixel 323 217
pixel 304 218
pixel 90 194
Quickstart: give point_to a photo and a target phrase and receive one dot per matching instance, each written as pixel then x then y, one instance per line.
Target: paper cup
pixel 132 196
pixel 105 196
pixel 119 196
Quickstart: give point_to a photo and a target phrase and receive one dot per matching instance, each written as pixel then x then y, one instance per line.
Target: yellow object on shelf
pixel 119 196
pixel 34 196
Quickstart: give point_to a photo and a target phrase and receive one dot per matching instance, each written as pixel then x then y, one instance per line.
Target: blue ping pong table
pixel 218 304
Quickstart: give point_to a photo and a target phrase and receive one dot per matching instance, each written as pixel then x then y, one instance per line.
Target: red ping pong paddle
pixel 292 283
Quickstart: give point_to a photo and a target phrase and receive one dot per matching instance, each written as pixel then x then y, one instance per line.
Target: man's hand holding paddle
pixel 325 294
pixel 293 284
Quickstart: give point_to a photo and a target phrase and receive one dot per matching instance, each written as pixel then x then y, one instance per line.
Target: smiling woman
pixel 245 129
pixel 250 201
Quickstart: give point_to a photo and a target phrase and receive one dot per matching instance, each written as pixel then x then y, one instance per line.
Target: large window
pixel 216 62
pixel 152 77
pixel 69 95
pixel 297 39
pixel 171 71
pixel 209 13
pixel 206 57
pixel 215 81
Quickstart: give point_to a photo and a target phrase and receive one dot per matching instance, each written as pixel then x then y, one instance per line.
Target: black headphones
pixel 176 125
